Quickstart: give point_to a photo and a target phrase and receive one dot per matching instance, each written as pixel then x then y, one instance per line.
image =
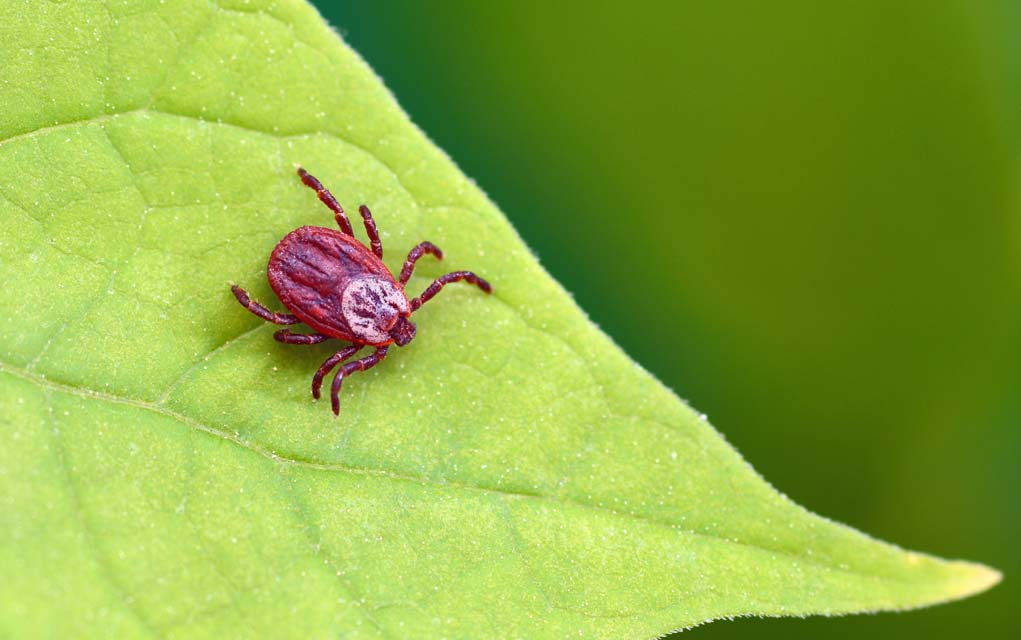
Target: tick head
pixel 403 331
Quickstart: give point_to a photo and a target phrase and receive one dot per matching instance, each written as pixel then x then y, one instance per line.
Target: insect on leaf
pixel 164 471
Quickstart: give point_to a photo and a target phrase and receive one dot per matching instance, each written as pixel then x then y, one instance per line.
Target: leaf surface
pixel 164 471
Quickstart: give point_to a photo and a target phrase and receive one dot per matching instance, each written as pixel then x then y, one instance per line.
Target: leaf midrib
pixel 283 460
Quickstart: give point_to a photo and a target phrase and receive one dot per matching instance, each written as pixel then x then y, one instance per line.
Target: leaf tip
pixel 972 578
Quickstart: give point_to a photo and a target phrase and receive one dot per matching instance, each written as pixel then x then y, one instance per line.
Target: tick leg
pixel 358 365
pixel 370 228
pixel 332 361
pixel 261 311
pixel 439 283
pixel 285 336
pixel 420 250
pixel 324 194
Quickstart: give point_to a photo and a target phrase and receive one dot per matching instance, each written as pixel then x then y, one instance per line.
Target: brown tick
pixel 341 289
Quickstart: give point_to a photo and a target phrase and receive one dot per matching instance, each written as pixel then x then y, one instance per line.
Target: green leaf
pixel 164 471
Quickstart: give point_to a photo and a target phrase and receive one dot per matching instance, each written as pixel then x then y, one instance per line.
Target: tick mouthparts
pixel 403 332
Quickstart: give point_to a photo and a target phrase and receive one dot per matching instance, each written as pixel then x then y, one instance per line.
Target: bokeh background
pixel 815 206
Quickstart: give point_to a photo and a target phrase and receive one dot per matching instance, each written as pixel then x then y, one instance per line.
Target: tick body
pixel 340 288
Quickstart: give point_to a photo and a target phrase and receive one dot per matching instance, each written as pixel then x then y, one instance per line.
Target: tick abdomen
pixel 310 270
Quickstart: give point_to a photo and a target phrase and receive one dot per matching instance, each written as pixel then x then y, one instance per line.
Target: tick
pixel 339 287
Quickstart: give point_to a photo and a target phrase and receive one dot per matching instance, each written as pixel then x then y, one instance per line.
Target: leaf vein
pixel 92 543
pixel 282 460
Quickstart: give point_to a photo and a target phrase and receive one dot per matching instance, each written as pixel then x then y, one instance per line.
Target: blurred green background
pixel 820 207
